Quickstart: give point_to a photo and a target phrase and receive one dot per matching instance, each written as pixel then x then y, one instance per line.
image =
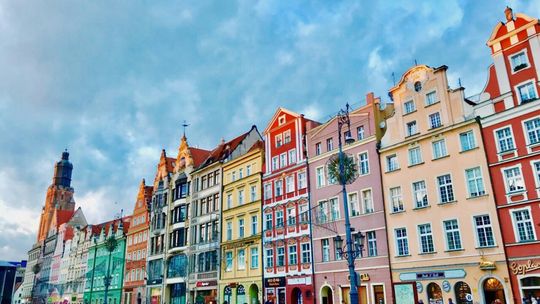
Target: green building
pixel 105 263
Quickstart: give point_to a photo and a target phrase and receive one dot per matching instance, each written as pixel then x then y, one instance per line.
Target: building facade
pixel 510 112
pixel 435 168
pixel 136 249
pixel 241 259
pixel 287 254
pixel 366 209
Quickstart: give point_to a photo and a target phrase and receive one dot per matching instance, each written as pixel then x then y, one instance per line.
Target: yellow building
pixel 443 231
pixel 241 249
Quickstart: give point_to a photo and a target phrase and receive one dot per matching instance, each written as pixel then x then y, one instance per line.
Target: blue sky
pixel 113 81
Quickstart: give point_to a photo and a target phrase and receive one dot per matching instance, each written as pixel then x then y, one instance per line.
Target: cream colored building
pixel 443 230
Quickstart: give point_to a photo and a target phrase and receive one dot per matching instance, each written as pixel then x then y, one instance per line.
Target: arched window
pixel 462 291
pixel 434 293
pixel 493 290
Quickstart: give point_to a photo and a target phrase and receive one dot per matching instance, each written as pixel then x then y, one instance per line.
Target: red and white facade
pixel 510 113
pixel 287 254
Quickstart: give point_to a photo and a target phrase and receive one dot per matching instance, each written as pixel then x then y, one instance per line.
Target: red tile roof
pixel 223 150
pixel 63 216
pixel 198 156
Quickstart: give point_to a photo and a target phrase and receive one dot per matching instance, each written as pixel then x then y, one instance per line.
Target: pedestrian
pixel 450 301
pixel 420 301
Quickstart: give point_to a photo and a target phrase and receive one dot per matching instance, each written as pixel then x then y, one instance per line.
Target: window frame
pixel 428 236
pixel 530 221
pixel 439 188
pixel 527 63
pixel 430 121
pixel 476 234
pixel 406 109
pixel 468 140
pixel 362 162
pixel 505 179
pixel 526 131
pixel 404 239
pixel 497 139
pixel 476 178
pixel 452 231
pixel 527 82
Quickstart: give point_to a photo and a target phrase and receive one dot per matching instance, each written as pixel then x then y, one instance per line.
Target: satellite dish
pixel 349 167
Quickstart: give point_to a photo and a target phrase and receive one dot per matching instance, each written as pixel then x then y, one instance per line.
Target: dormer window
pixel 519 61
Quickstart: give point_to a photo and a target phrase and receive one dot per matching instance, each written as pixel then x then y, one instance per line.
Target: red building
pixel 510 112
pixel 287 254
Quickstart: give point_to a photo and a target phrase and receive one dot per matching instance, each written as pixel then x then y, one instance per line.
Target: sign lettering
pixel 524 268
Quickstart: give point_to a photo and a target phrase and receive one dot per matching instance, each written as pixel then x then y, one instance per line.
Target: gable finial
pixel 184 125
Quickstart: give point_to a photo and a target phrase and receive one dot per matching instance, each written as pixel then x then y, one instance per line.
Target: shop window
pixel 462 290
pixel 434 294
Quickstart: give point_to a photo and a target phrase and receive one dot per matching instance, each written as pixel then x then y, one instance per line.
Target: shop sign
pixel 524 268
pixel 274 282
pixel 205 284
pixel 428 275
pixel 364 277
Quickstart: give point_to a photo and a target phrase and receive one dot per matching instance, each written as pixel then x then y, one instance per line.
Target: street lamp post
pixel 94 238
pixel 110 245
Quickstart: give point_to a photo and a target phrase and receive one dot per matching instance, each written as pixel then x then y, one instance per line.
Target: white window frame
pixel 526 132
pixel 278 182
pixel 289 183
pixel 523 83
pixel 476 236
pixel 254 258
pixel 514 224
pixel 292 253
pixel 301 180
pixel 427 235
pixel 318 148
pixel 406 239
pixel 361 162
pixel 496 138
pixel 320 180
pixel 275 163
pixel 506 185
pixel 409 130
pixel 325 249
pixel 400 207
pixel 363 205
pixel 388 162
pixel 354 204
pixel 253 192
pixel 371 244
pixel 335 213
pixel 413 108
pixel 442 146
pixel 283 160
pixel 481 177
pixel 431 126
pixel 286 134
pixel 278 140
pixel 427 103
pixel 445 232
pixel 473 140
pixel 536 172
pixel 292 156
pixel 415 200
pixel 439 188
pixel 358 133
pixel 419 156
pixel 512 67
pixel 241 259
pixel 268 191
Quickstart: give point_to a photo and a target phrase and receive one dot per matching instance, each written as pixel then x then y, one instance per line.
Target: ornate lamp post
pixel 110 245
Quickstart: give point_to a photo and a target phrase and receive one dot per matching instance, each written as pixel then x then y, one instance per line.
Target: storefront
pixel 526 278
pixel 334 288
pixel 204 292
pixel 155 295
pixel 274 290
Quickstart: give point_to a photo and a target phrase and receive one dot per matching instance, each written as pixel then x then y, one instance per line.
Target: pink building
pixel 366 210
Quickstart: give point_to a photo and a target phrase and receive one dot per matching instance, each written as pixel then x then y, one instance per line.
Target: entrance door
pixel 326 295
pixel 493 290
pixel 281 296
pixel 378 294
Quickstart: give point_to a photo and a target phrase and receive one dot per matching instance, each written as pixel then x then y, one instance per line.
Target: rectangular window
pixel 396 199
pixel 267 191
pixel 371 243
pixel 391 163
pixel 293 255
pixel 519 61
pixel 319 172
pixel 360 132
pixel 233 176
pixel 254 224
pixel 435 120
pixel 275 164
pixel 475 183
pixel 229 230
pixel 281 256
pixel 324 213
pixel 446 190
pixel 523 225
pixel 241 173
pixel 269 257
pixel 415 156
pixel 304 216
pixel 367 201
pixel 240 197
pixel 306 253
pixel 412 128
pixel 467 141
pixel 505 140
pixel 289 183
pixel 402 243
pixel 426 238
pixel 254 258
pixel 325 245
pixel 332 180
pixel 354 205
pixel 513 179
pixel 484 231
pixel 283 160
pixel 292 156
pixel 268 221
pixel 248 170
pixel 287 137
pixel 241 228
pixel 334 209
pixel 453 237
pixel 526 92
pixel 363 163
pixel 279 187
pixel 329 144
pixel 241 259
pixel 228 261
pixel 532 129
pixel 279 140
pixel 431 98
pixel 253 193
pixel 302 180
pixel 279 218
pixel 409 107
pixel 291 216
pixel 536 169
pixel 318 149
pixel 420 194
pixel 439 149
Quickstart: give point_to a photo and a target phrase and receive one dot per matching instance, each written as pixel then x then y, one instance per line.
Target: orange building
pixel 137 243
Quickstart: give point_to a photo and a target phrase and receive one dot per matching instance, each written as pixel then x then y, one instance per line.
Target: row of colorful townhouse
pixel 443 202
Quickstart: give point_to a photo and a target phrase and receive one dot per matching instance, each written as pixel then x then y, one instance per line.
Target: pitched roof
pixel 126 220
pixel 223 150
pixel 63 216
pixel 198 156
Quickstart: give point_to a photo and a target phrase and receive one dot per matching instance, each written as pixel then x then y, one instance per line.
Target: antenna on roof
pixel 459 82
pixel 184 125
pixel 394 78
pixel 415 63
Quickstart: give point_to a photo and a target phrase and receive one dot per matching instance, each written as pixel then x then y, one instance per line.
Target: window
pixel 287 137
pixel 367 201
pixel 291 216
pixel 279 218
pixel 275 163
pixel 453 237
pixel 402 243
pixel 446 190
pixel 268 221
pixel 325 245
pixel 439 149
pixel 363 163
pixel 254 258
pixel 306 253
pixel 467 141
pixel 431 98
pixel 396 200
pixel 513 179
pixel 248 170
pixel 279 187
pixel 304 216
pixel 415 156
pixel 475 184
pixel 371 243
pixel 302 180
pixel 289 183
pixel 292 156
pixel 254 224
pixel 269 257
pixel 523 225
pixel 332 180
pixel 484 232
pixel 318 149
pixel 241 173
pixel 279 140
pixel 329 144
pixel 233 176
pixel 536 169
pixel 241 228
pixel 280 256
pixel 228 261
pixel 519 61
pixel 505 140
pixel 420 194
pixel 532 129
pixel 283 160
pixel 411 128
pixel 319 172
pixel 334 209
pixel 253 193
pixel 241 259
pixel 240 197
pixel 527 92
pixel 229 230
pixel 354 205
pixel 360 132
pixel 435 120
pixel 426 238
pixel 409 107
pixel 392 163
pixel 267 191
pixel 293 260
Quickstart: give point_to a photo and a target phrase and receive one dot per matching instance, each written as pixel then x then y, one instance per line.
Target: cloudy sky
pixel 112 81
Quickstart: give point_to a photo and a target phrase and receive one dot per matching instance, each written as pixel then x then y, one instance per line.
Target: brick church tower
pixel 59 200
